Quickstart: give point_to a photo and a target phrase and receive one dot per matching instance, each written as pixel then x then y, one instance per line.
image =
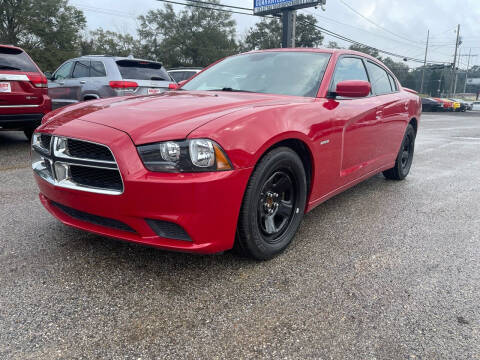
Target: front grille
pixel 96 177
pixel 168 230
pixel 45 141
pixel 87 150
pixel 93 219
pixel 76 164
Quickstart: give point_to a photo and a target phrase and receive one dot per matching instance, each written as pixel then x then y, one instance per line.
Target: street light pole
pixel 466 72
pixel 424 62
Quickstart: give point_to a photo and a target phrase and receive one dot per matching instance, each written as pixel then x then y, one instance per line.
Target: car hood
pixel 169 116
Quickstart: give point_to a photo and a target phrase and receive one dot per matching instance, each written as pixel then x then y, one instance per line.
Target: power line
pixel 374 23
pixel 208 7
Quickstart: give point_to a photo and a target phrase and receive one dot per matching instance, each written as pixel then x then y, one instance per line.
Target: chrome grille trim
pixel 54 165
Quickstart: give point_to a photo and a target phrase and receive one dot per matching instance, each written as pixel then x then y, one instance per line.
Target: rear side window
pixel 15 59
pixel 348 68
pixel 142 70
pixel 379 79
pixel 393 83
pixel 81 69
pixel 97 69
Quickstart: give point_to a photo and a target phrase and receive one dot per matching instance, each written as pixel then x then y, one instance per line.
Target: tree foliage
pixel 193 36
pixel 365 49
pixel 101 42
pixel 267 33
pixel 48 30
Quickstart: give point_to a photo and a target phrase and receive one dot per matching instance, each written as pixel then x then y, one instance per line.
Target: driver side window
pixel 348 68
pixel 63 72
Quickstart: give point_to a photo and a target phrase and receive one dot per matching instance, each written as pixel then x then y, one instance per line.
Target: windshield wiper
pixel 6 67
pixel 231 90
pixel 157 78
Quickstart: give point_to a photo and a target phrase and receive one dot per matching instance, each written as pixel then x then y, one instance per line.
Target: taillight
pixel 38 80
pixel 173 86
pixel 123 84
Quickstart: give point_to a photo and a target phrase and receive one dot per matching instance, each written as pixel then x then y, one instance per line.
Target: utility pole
pixel 424 62
pixel 289 18
pixel 454 70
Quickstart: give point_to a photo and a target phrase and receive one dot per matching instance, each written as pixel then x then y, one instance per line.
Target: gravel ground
pixel 386 270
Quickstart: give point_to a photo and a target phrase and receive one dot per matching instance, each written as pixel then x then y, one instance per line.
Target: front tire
pixel 273 205
pixel 404 158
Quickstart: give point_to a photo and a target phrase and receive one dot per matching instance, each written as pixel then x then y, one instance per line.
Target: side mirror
pixel 353 88
pixel 48 75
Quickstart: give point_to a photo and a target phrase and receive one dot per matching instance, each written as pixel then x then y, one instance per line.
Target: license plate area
pixel 154 91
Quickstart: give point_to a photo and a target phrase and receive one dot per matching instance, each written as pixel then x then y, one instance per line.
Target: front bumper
pixel 204 205
pixel 20 121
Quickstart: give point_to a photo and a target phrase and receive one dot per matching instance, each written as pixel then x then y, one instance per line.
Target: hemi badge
pixel 324 142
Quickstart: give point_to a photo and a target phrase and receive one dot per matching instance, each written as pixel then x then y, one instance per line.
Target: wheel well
pixel 90 97
pixel 303 152
pixel 414 124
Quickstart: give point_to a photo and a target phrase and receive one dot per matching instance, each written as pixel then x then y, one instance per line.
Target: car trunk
pixel 150 77
pixel 21 83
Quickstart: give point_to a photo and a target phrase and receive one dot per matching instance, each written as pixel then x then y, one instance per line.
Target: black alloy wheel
pixel 404 159
pixel 273 205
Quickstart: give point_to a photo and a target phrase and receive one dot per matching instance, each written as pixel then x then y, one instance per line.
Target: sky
pixel 398 26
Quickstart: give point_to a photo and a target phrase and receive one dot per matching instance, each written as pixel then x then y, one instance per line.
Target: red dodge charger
pixel 232 159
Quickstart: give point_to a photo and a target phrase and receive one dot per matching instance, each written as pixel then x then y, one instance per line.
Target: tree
pixel 267 33
pixel 333 45
pixel 192 37
pixel 365 49
pixel 49 31
pixel 103 42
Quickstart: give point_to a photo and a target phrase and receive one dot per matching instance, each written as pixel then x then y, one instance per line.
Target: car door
pixel 359 120
pixel 392 109
pixel 60 87
pixel 80 79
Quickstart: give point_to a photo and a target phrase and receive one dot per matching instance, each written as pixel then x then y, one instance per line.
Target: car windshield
pixel 284 73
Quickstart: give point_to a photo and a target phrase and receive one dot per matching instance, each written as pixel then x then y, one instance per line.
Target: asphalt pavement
pixel 386 270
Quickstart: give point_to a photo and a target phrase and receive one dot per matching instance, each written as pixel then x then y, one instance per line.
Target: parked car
pixel 476 105
pixel 447 104
pixel 97 76
pixel 23 91
pixel 234 158
pixel 429 104
pixel 462 105
pixel 181 74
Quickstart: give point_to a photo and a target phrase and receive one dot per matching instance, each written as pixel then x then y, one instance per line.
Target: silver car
pixel 97 76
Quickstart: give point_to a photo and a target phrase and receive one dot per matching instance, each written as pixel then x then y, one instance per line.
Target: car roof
pixel 319 50
pixel 185 69
pixel 115 58
pixel 11 47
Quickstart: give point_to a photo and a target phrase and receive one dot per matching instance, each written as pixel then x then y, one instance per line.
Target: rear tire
pixel 404 158
pixel 273 205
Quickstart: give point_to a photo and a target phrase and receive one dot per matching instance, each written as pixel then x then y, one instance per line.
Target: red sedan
pixel 234 158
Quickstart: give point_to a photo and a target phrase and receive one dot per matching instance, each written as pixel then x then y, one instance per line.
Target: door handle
pixel 83 82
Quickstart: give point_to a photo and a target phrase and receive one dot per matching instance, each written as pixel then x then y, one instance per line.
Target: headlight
pixel 193 155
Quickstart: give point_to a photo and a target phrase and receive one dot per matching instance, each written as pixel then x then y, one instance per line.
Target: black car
pixel 429 104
